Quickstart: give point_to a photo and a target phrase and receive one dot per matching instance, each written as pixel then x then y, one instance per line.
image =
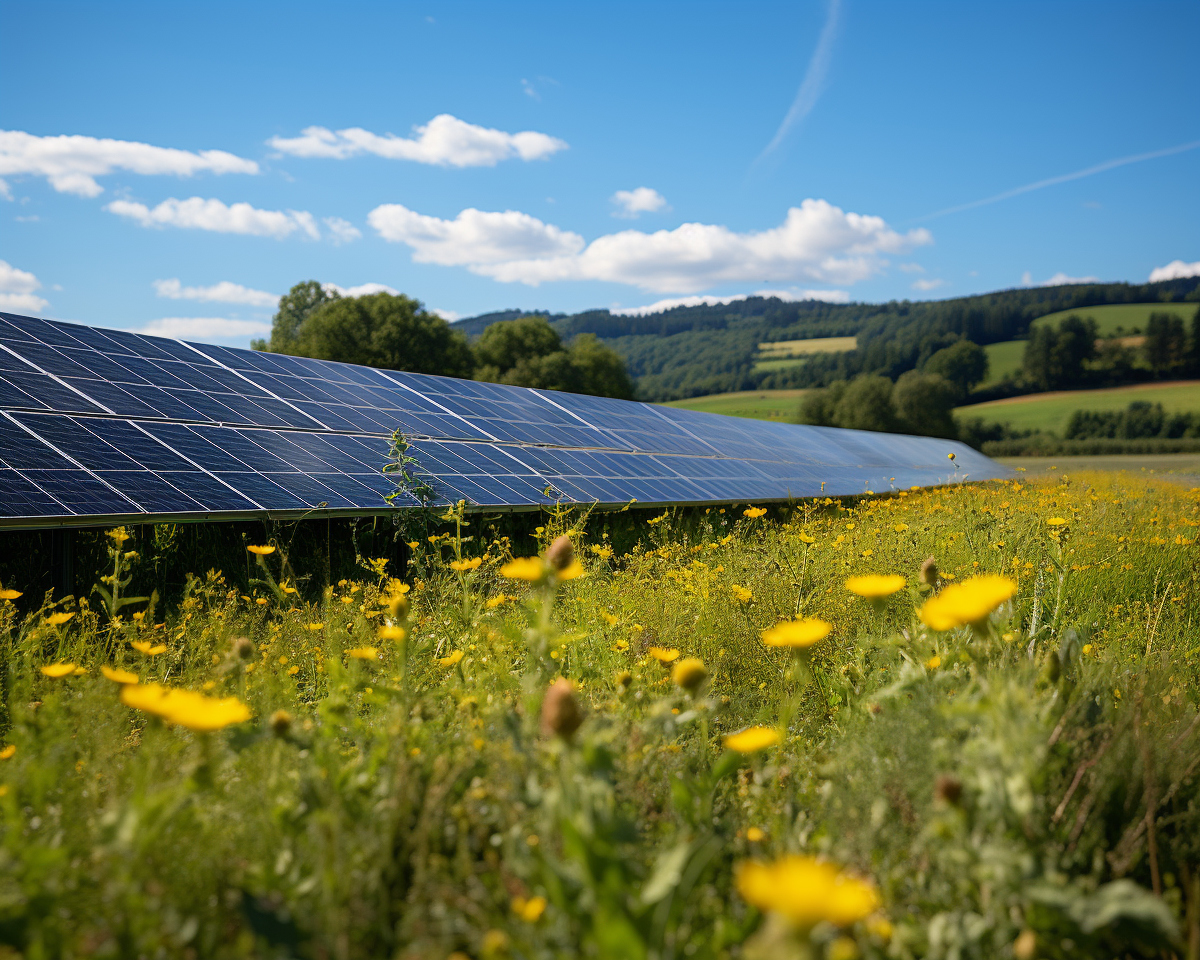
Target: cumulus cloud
pixel 1175 270
pixel 342 231
pixel 927 284
pixel 362 290
pixel 817 242
pixel 72 163
pixel 223 292
pixel 659 306
pixel 196 213
pixel 444 141
pixel 18 290
pixel 633 203
pixel 205 329
pixel 1058 280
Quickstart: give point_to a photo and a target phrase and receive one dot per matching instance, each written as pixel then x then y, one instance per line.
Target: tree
pixel 818 406
pixel 382 330
pixel 924 404
pixel 295 307
pixel 866 404
pixel 1165 345
pixel 1193 355
pixel 963 364
pixel 602 371
pixel 1054 359
pixel 504 345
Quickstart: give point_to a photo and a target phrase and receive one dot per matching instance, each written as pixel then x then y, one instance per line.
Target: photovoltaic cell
pixel 106 425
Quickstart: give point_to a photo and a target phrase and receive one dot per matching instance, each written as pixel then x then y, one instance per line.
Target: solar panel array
pixel 100 426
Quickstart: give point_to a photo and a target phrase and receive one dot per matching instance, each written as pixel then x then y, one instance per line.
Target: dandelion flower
pixel 465 566
pixel 754 512
pixel 950 456
pixel 755 835
pixel 497 600
pixel 529 910
pixel 532 569
pixel 263 551
pixel 806 891
pixel 1056 521
pixel 603 552
pixel 689 673
pixel 363 653
pixel 805 538
pixel 186 708
pixel 875 586
pixel 752 739
pixel 10 594
pixel 664 655
pixel 390 631
pixel 796 633
pixel 314 627
pixel 117 675
pixel 968 602
pixel 743 595
pixel 57 670
pixel 8 752
pixel 148 648
pixel 451 660
pixel 58 619
pixel 933 662
pixel 570 571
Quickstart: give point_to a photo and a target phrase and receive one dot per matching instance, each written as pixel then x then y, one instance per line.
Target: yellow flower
pixel 689 673
pixel 363 653
pixel 805 538
pixel 264 551
pixel 1056 521
pixel 806 891
pixel 900 527
pixel 390 631
pixel 148 648
pixel 10 594
pixel 316 626
pixel 663 655
pixel 609 618
pixel 755 835
pixel 933 662
pixel 117 675
pixel 875 585
pixel 752 739
pixel 58 619
pixel 412 544
pixel 293 670
pixel 968 602
pixel 463 566
pixel 57 670
pixel 532 569
pixel 529 910
pixel 603 552
pixel 796 633
pixel 950 456
pixel 184 707
pixel 570 571
pixel 8 752
pixel 497 600
pixel 451 660
pixel 119 536
pixel 754 512
pixel 743 595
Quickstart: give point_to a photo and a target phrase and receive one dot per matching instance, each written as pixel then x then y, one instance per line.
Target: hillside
pixel 701 350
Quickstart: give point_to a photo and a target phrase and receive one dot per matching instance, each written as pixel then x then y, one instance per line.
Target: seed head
pixel 281 723
pixel 929 572
pixel 948 789
pixel 623 680
pixel 561 553
pixel 243 648
pixel 561 713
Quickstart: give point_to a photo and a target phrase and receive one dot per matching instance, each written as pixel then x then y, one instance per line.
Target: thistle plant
pixel 111 584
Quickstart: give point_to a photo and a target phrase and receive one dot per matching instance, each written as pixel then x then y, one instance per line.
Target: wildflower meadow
pixel 948 723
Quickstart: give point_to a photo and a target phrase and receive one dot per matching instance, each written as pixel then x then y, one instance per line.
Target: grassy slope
pixel 1129 316
pixel 1051 411
pixel 1003 358
pixel 782 405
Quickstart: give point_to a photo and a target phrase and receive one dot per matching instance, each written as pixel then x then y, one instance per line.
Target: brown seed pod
pixel 561 553
pixel 561 713
pixel 281 723
pixel 948 789
pixel 929 572
pixel 243 648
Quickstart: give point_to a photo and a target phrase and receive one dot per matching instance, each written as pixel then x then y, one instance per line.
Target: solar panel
pixel 101 426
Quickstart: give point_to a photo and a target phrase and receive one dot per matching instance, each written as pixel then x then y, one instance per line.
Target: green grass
pixel 1003 359
pixel 781 405
pixel 1051 411
pixel 1127 316
pixel 515 773
pixel 786 354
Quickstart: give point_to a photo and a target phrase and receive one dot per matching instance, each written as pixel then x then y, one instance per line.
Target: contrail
pixel 814 79
pixel 1077 175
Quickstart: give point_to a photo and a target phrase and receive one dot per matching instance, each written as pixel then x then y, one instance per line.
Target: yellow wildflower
pixel 663 655
pixel 532 569
pixel 609 618
pixel 529 910
pixel 8 752
pixel 752 739
pixel 754 512
pixel 117 675
pixel 805 538
pixel 148 648
pixel 464 566
pixel 390 631
pixel 316 626
pixel 363 653
pixel 875 585
pixel 57 670
pixel 743 595
pixel 497 600
pixel 1056 521
pixel 58 619
pixel 689 673
pixel 755 835
pixel 262 551
pixel 185 707
pixel 796 633
pixel 806 891
pixel 293 670
pixel 968 602
pixel 10 594
pixel 570 571
pixel 451 660
pixel 602 551
pixel 933 662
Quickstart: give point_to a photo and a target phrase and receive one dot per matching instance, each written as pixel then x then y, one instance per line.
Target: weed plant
pixel 570 747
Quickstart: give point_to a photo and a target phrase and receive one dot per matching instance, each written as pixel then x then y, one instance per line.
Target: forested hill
pixel 692 351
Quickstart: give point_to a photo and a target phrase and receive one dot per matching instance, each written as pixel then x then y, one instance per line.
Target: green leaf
pixel 667 871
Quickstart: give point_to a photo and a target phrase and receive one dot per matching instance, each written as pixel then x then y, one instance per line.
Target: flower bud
pixel 561 553
pixel 243 648
pixel 561 713
pixel 929 572
pixel 281 723
pixel 689 673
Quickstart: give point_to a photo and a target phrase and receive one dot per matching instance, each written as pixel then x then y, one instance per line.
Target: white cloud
pixel 1061 279
pixel 927 284
pixel 911 268
pixel 205 329
pixel 632 203
pixel 1175 270
pixel 72 163
pixel 445 141
pixel 342 231
pixel 362 290
pixel 450 316
pixel 18 290
pixel 816 242
pixel 789 296
pixel 197 213
pixel 223 292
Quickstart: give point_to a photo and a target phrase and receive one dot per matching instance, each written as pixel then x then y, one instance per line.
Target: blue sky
pixel 563 157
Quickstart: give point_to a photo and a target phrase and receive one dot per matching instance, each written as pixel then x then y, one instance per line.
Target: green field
pixel 781 405
pixel 1126 316
pixel 1003 359
pixel 781 354
pixel 1051 411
